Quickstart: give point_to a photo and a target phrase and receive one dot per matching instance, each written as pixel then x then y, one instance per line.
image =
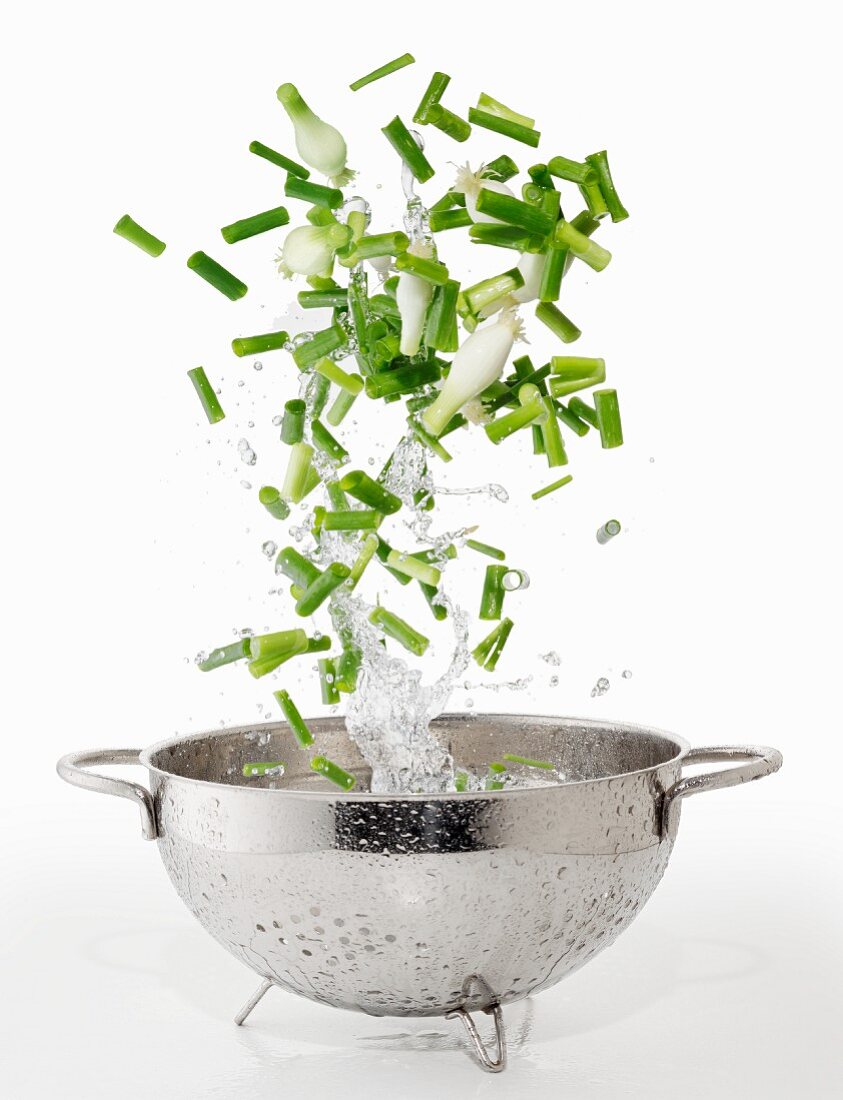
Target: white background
pixel 129 543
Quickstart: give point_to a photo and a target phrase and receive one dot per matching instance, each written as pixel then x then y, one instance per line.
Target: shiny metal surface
pixel 386 903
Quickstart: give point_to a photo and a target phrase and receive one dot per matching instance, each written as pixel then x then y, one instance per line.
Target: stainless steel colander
pixel 418 905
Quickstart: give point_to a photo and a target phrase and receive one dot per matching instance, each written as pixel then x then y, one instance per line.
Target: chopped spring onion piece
pixel 485 548
pixel 310 249
pixel 478 363
pixel 600 163
pixel 278 159
pixel 539 493
pixel 347 669
pixel 538 439
pixel 360 519
pixel 527 762
pixel 383 551
pixel 316 299
pixel 608 417
pixel 460 781
pixel 504 126
pixel 217 276
pixel 342 403
pixel 430 441
pixel 367 552
pixel 326 443
pixel 311 481
pixel 429 270
pixel 205 391
pixel 225 655
pixel 318 644
pixel 554 446
pixel 296 567
pixel 403 142
pixel 129 230
pixel 321 215
pixel 540 175
pixel 384 70
pixel 483 294
pixel 337 497
pixel 583 411
pixel 326 583
pixel 365 489
pixel 381 305
pixel 572 170
pixel 495 779
pixel 253 345
pixel 269 767
pixel 491 601
pixel 440 220
pixel 400 630
pixel 378 244
pixel 581 246
pixel 515 579
pixel 296 723
pixel 402 379
pixel 298 468
pixel 502 168
pixel 333 772
pixel 327 681
pixel 274 503
pixel 292 423
pixel 495 107
pixel 320 145
pixel 608 531
pixel 317 394
pixel 550 286
pixel 431 594
pixel 486 654
pixel 351 383
pixel 504 236
pixel 418 570
pixel 450 199
pixel 441 325
pixel 514 212
pixel 572 373
pixel 449 123
pixel 590 191
pixel 264 646
pixel 558 323
pixel 531 412
pixel 317 194
pixel 321 344
pixel 433 93
pixel 257 223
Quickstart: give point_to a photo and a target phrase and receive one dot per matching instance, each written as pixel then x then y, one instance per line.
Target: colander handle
pixel 73 768
pixel 761 761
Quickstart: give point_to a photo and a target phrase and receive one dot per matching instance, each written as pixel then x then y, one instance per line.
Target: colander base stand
pixel 252 1002
pixel 487 1062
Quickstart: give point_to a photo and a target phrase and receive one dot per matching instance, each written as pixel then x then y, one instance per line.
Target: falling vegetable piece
pixel 129 230
pixel 491 600
pixel 333 772
pixel 557 322
pixel 215 274
pixel 433 93
pixel 368 491
pixel 484 548
pixel 319 144
pixel 297 724
pixel 274 503
pixel 402 141
pixel 539 493
pixel 254 345
pixel 225 655
pixel 204 389
pixel 504 126
pixel 270 767
pixel 608 531
pixel 279 160
pixel 384 70
pixel 487 652
pixel 527 762
pixel 257 223
pixel 608 417
pixel 400 630
pixel 327 681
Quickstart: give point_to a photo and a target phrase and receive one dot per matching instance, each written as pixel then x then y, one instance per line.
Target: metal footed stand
pixel 252 1002
pixel 488 1063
